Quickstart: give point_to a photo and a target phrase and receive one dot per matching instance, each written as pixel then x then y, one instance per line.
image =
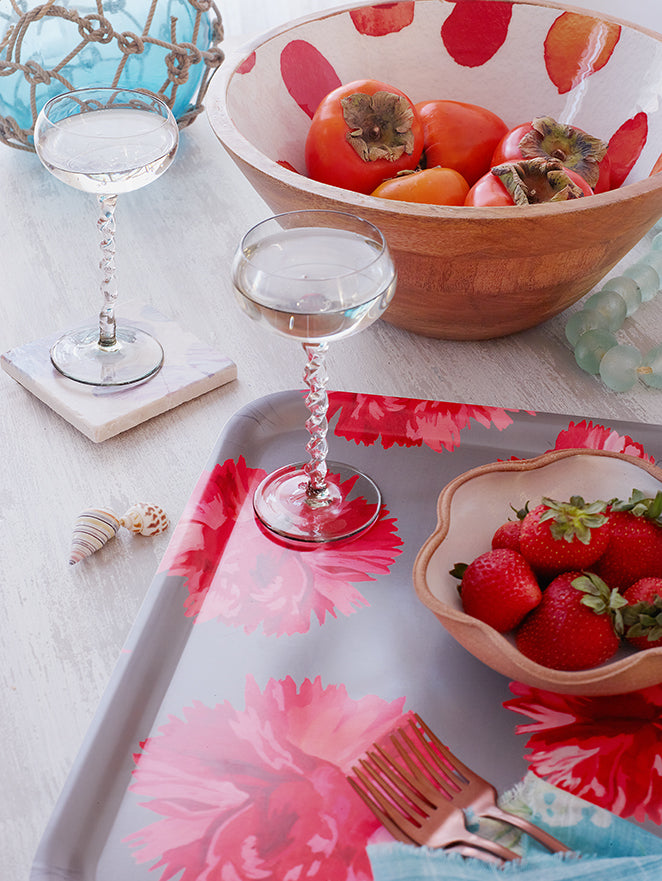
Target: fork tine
pixel 385 819
pixel 443 777
pixel 398 789
pixel 405 784
pixel 450 764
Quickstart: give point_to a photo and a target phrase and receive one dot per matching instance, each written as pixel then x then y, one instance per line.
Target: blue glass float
pixel 169 47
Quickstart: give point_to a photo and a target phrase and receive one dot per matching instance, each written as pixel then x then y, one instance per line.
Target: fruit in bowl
pixel 567 640
pixel 464 272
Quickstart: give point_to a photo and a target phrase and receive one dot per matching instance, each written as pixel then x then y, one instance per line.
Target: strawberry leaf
pixel 573 519
pixel 644 619
pixel 600 599
pixel 641 505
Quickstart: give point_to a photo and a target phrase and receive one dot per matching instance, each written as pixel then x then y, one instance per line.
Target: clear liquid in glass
pixel 295 282
pixel 115 150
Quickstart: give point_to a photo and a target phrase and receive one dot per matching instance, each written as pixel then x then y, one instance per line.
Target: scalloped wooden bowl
pixel 464 273
pixel 469 510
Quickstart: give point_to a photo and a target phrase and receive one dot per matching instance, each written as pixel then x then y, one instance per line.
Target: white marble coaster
pixel 191 368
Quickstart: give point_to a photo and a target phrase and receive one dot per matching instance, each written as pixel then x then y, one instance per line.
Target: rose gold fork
pixel 448 785
pixel 472 792
pixel 406 805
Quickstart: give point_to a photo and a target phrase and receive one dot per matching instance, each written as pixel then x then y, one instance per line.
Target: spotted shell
pixel 93 529
pixel 145 519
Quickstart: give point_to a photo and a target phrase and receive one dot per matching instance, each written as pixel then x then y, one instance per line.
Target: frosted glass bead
pixel 591 347
pixel 611 305
pixel 653 359
pixel 628 289
pixel 585 319
pixel 618 367
pixel 646 277
pixel 654 259
pixel 656 244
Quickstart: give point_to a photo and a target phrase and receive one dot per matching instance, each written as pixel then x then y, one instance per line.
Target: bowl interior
pixel 518 59
pixel 480 504
pixel 470 509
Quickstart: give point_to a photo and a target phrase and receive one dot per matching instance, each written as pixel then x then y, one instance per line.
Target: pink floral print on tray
pixel 261 792
pixel 407 422
pixel 596 747
pixel 586 435
pixel 273 587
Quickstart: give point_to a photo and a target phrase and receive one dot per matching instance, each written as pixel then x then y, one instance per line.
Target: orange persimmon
pixel 430 186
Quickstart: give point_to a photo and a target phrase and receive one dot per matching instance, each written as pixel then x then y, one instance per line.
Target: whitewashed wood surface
pixel 63 627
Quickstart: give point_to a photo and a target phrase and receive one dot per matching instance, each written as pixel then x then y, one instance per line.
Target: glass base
pixel 135 356
pixel 350 506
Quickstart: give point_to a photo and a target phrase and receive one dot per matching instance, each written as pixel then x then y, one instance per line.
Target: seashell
pixel 145 519
pixel 94 528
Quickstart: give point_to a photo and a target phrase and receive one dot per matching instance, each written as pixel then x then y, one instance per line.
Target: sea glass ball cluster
pixel 592 330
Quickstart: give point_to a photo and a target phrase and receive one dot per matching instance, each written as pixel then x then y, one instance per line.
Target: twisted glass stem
pixel 316 378
pixel 106 227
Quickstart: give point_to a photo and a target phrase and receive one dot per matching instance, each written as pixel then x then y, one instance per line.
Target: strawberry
pixel 642 616
pixel 498 587
pixel 634 549
pixel 507 535
pixel 558 536
pixel 576 625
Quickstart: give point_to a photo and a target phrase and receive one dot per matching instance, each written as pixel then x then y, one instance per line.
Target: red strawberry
pixel 643 614
pixel 634 549
pixel 507 535
pixel 575 626
pixel 498 587
pixel 557 536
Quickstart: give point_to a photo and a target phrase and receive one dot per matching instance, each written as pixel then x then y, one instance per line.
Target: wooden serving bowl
pixel 469 510
pixel 464 273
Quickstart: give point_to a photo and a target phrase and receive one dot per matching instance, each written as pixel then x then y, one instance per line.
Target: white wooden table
pixel 63 627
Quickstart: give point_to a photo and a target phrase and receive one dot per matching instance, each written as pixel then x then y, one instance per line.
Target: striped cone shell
pixel 94 528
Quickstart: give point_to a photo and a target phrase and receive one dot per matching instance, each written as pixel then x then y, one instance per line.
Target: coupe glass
pixel 106 141
pixel 315 276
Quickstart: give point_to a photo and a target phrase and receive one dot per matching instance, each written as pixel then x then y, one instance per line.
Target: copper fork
pixel 469 790
pixel 404 804
pixel 422 797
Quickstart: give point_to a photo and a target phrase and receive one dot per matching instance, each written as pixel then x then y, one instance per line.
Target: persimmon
pixel 527 182
pixel 430 186
pixel 460 136
pixel 547 138
pixel 361 134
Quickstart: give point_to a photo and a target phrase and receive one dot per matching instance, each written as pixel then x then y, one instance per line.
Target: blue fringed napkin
pixel 605 847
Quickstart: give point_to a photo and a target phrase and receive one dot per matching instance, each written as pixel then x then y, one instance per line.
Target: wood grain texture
pixel 64 627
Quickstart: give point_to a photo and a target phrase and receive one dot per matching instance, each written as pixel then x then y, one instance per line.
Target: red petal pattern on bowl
pixel 475 31
pixel 625 146
pixel 307 74
pixel 577 46
pixel 248 64
pixel 386 18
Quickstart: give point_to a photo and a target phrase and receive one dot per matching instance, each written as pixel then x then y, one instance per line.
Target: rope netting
pixel 178 61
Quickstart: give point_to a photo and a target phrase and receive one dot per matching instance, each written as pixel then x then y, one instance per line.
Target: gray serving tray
pixel 329 656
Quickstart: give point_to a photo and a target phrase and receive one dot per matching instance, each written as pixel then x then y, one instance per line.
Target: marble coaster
pixel 191 368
